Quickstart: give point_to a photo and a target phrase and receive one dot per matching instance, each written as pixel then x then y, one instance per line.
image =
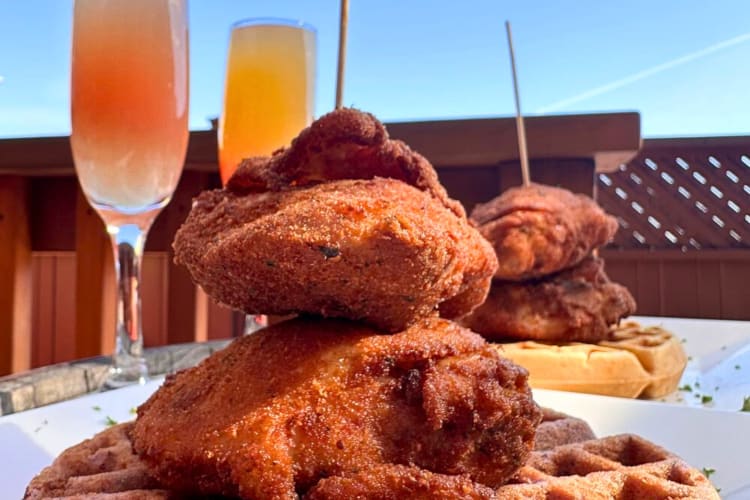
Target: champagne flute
pixel 269 88
pixel 269 94
pixel 129 110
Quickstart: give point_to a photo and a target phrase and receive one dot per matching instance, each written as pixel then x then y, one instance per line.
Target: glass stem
pixel 128 241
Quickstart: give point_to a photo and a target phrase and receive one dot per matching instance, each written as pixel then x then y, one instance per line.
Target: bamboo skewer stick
pixel 520 128
pixel 343 22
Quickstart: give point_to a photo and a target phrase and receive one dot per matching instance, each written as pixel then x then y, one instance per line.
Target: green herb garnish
pixel 96 408
pixel 329 252
pixel 706 398
pixel 110 421
pixel 686 388
pixel 745 404
pixel 707 471
pixel 134 411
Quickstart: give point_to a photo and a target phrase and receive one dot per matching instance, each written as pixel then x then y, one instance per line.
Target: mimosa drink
pixel 129 109
pixel 129 100
pixel 269 91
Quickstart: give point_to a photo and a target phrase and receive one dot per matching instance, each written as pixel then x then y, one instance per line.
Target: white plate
pixel 713 435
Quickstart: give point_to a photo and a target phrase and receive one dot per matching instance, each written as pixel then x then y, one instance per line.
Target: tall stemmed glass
pixel 269 91
pixel 129 107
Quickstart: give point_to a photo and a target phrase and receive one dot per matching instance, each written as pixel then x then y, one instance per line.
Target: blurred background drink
pixel 269 89
pixel 129 110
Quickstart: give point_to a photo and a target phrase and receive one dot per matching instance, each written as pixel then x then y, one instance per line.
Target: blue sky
pixel 683 64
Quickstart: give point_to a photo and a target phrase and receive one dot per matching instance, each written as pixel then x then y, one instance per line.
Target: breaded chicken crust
pixel 377 250
pixel 276 411
pixel 344 144
pixel 577 304
pixel 392 482
pixel 539 230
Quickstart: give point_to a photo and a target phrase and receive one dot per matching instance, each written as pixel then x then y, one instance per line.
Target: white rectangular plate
pixel 712 435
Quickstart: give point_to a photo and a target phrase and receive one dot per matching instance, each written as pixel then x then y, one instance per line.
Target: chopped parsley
pixel 110 421
pixel 329 252
pixel 44 422
pixel 134 411
pixel 96 408
pixel 686 388
pixel 706 399
pixel 745 404
pixel 707 471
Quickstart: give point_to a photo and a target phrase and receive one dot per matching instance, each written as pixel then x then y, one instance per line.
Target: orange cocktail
pixel 269 89
pixel 129 100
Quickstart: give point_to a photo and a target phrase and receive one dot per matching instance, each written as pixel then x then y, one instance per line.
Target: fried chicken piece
pixel 577 304
pixel 344 144
pixel 276 411
pixel 378 250
pixel 539 230
pixel 389 482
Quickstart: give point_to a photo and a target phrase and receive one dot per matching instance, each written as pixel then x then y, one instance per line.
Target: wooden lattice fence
pixel 688 194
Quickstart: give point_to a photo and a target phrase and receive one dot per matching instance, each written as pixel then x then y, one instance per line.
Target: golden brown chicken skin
pixel 305 399
pixel 578 304
pixel 378 250
pixel 539 230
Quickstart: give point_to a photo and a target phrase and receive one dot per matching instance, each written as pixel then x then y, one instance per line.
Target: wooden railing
pixel 56 280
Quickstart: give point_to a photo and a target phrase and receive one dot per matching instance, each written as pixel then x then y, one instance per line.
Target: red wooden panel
pixel 648 294
pixel 708 288
pixel 735 291
pixel 65 308
pixel 43 309
pixel 154 298
pixel 15 276
pixel 679 289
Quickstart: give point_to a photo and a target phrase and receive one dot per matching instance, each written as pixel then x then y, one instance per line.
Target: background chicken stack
pixel 551 293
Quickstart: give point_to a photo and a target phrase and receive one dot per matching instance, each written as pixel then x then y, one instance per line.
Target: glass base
pixel 123 375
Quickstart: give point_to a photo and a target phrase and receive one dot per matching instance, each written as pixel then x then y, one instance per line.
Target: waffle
pixel 103 467
pixel 658 351
pixel 637 361
pixel 558 429
pixel 623 467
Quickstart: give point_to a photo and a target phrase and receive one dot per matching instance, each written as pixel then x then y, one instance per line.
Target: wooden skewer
pixel 520 128
pixel 343 22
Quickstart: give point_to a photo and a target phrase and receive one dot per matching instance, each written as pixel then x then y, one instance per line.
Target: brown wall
pixel 52 309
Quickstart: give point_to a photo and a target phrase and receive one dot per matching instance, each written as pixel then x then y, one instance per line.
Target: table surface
pixel 709 435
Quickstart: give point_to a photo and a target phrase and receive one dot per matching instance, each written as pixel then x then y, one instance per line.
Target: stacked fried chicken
pixel 351 225
pixel 549 285
pixel 372 392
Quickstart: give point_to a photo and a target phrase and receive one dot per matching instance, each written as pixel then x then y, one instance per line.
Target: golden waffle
pixel 103 467
pixel 658 351
pixel 624 467
pixel 636 362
